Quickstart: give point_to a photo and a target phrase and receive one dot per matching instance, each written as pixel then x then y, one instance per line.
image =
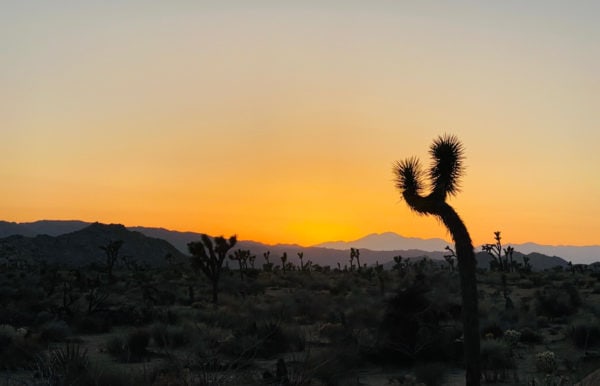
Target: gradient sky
pixel 281 121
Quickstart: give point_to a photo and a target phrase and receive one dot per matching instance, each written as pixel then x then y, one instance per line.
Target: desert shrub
pixel 93 324
pixel 542 321
pixel 341 286
pixel 431 374
pixel 530 336
pixel 508 318
pixel 333 366
pixel 274 338
pixel 137 342
pixel 7 334
pixel 539 280
pixel 545 362
pixel 169 336
pixel 491 329
pixel 525 284
pixel 264 339
pixel 309 307
pixel 411 328
pixel 556 302
pixel 159 334
pixel 512 338
pixel 224 317
pixel 496 360
pixel 16 316
pixel 335 333
pixel 130 315
pixel 131 348
pixel 115 345
pixel 168 316
pixel 43 317
pixel 68 365
pixel 54 331
pixel 585 333
pixel 7 293
pixel 114 376
pixel 19 352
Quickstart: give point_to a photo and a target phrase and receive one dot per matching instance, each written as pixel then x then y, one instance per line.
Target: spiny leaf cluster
pixel 445 171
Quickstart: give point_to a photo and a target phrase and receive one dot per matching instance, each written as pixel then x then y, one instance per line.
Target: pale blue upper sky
pixel 300 103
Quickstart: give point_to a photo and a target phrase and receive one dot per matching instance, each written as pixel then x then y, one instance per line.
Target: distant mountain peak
pixel 388 241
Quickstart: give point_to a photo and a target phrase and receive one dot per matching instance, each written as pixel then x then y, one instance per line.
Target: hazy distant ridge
pixel 372 246
pixel 388 241
pixel 391 241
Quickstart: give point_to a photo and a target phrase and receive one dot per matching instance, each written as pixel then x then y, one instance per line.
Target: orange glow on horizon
pixel 282 125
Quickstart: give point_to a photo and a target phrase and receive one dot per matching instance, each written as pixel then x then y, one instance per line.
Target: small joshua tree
pixel 503 263
pixel 444 174
pixel 355 254
pixel 241 256
pixel 208 257
pixel 450 257
pixel 284 261
pixel 301 257
pixel 267 266
pixel 111 251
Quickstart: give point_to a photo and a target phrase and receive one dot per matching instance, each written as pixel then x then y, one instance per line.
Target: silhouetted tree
pixel 241 256
pixel 96 295
pixel 301 257
pixel 400 265
pixel 444 174
pixel 355 254
pixel 450 257
pixel 111 251
pixel 526 264
pixel 208 256
pixel 503 263
pixel 284 261
pixel 267 266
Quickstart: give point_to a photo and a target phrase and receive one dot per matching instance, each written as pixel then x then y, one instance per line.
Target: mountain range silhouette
pixel 374 247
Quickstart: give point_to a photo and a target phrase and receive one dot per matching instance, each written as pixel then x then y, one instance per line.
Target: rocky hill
pixel 83 246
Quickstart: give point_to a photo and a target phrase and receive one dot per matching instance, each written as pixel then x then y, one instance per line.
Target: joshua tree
pixel 399 265
pixel 208 257
pixel 267 266
pixel 505 264
pixel 355 254
pixel 450 257
pixel 112 255
pixel 301 256
pixel 444 173
pixel 284 261
pixel 242 257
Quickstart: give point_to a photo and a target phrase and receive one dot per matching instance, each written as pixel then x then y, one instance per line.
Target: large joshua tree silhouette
pixel 447 167
pixel 208 257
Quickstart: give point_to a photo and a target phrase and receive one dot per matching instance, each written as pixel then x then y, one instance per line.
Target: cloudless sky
pixel 281 121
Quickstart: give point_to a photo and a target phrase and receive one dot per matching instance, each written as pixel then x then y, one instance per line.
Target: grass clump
pixel 496 360
pixel 585 333
pixel 129 348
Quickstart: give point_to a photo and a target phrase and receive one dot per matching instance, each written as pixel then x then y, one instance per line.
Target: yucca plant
pixel 67 365
pixel 444 173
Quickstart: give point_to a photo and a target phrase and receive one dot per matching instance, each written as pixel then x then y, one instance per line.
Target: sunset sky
pixel 280 121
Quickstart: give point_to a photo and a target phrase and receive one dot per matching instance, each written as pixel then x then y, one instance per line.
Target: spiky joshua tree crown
pixel 446 169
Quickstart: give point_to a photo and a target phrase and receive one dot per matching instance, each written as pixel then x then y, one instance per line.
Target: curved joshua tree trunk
pixel 467 268
pixel 444 173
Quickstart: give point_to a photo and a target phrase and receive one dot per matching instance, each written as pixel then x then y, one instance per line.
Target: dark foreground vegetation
pixel 290 322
